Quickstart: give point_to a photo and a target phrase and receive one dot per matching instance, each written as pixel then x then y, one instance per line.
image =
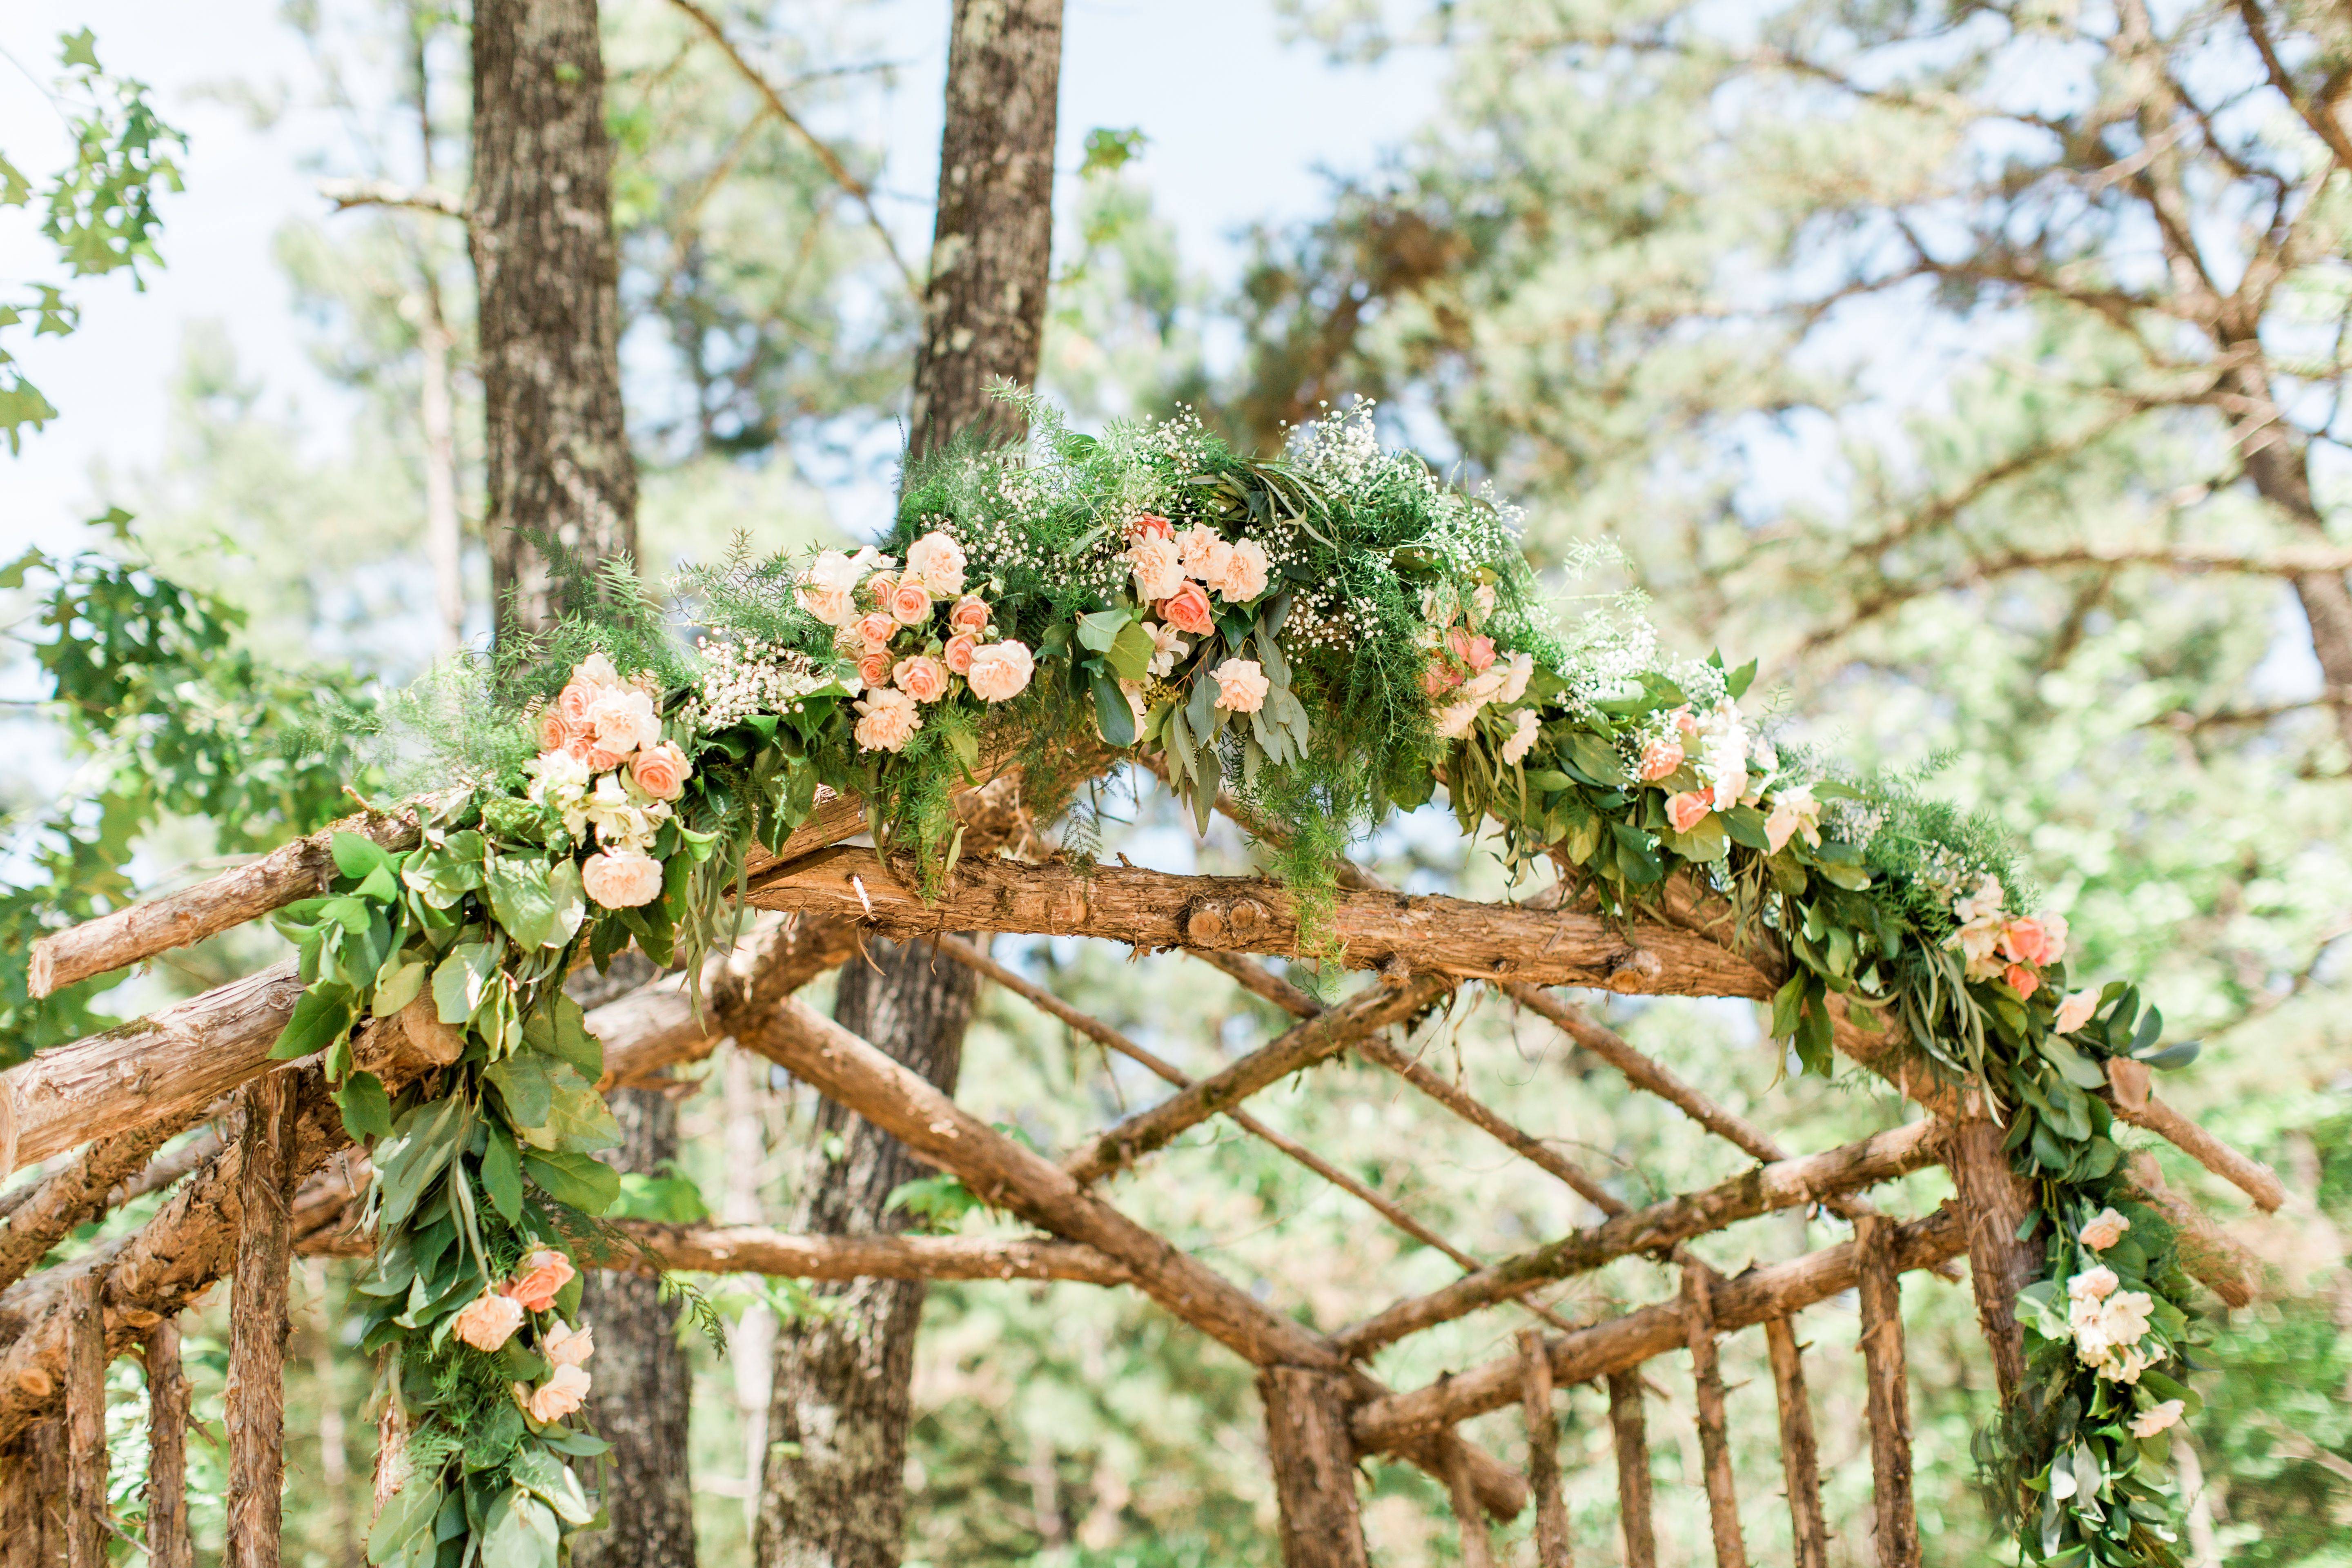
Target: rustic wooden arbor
pixel 273 1174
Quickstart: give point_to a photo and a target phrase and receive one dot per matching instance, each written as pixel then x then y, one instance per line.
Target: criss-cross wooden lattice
pixel 273 1174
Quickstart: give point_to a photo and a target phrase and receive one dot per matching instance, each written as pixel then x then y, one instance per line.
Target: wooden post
pixel 1630 1429
pixel 256 1400
pixel 32 1489
pixel 1994 1200
pixel 1553 1547
pixel 1801 1464
pixel 1713 1429
pixel 85 1499
pixel 1897 1522
pixel 1477 1550
pixel 169 1544
pixel 1314 1467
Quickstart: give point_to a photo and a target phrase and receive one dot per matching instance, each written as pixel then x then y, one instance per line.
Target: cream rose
pixel 1242 572
pixel 621 879
pixel 2105 1229
pixel 1158 571
pixel 562 1394
pixel 922 678
pixel 539 1276
pixel 564 1345
pixel 1000 671
pixel 939 560
pixel 890 721
pixel 488 1321
pixel 1241 686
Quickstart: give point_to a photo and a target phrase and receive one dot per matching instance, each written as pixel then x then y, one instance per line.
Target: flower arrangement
pixel 1332 634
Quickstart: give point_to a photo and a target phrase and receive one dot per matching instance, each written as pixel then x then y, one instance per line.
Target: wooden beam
pixel 1657 1227
pixel 1801 1466
pixel 169 1542
pixel 1714 1425
pixel 1623 1343
pixel 1889 1405
pixel 85 1496
pixel 1629 1431
pixel 2128 1082
pixel 756 1249
pixel 1478 1547
pixel 254 1404
pixel 1314 1465
pixel 73 1196
pixel 1553 1545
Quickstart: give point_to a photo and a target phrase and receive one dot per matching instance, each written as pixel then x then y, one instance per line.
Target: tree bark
pixel 639 1404
pixel 832 1490
pixel 1889 1405
pixel 32 1498
pixel 562 486
pixel 984 307
pixel 86 1428
pixel 1552 1548
pixel 1800 1463
pixel 1995 1201
pixel 255 1397
pixel 169 1542
pixel 1314 1464
pixel 1628 1430
pixel 1713 1425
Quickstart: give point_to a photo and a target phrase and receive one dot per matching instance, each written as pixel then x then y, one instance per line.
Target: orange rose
pixel 911 602
pixel 874 667
pixel 1689 809
pixel 2023 981
pixel 662 771
pixel 552 732
pixel 538 1279
pixel 1187 610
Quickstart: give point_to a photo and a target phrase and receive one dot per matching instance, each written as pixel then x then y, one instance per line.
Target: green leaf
pixel 502 1172
pixel 367 1110
pixel 400 982
pixel 521 1533
pixel 525 1081
pixel 577 1120
pixel 1130 653
pixel 575 1180
pixel 1112 715
pixel 355 857
pixel 2177 1055
pixel 463 978
pixel 1853 878
pixel 1702 844
pixel 545 1477
pixel 672 1199
pixel 322 1016
pixel 561 1029
pixel 408 1511
pixel 1099 630
pixel 538 906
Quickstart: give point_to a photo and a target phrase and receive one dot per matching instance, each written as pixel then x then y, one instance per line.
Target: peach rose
pixel 578 743
pixel 938 563
pixel 2036 940
pixel 1660 758
pixel 1477 652
pixel 959 650
pixel 2105 1229
pixel 1241 686
pixel 1187 609
pixel 877 628
pixel 890 721
pixel 874 667
pixel 621 879
pixel 488 1321
pixel 970 615
pixel 1150 523
pixel 564 1392
pixel 539 1276
pixel 662 771
pixel 564 1345
pixel 1159 571
pixel 2023 981
pixel 2076 1011
pixel 601 761
pixel 879 587
pixel 553 730
pixel 1689 809
pixel 922 678
pixel 2157 1417
pixel 1000 671
pixel 574 701
pixel 911 602
pixel 1242 572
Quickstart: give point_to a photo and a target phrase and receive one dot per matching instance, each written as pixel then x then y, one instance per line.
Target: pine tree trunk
pixel 833 1489
pixel 639 1402
pixel 562 487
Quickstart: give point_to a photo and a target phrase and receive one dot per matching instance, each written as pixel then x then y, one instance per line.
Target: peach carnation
pixel 1187 609
pixel 890 721
pixel 488 1321
pixel 1689 809
pixel 1241 574
pixel 621 879
pixel 922 678
pixel 1241 686
pixel 958 651
pixel 563 1394
pixel 661 772
pixel 539 1276
pixel 1158 570
pixel 939 562
pixel 1000 671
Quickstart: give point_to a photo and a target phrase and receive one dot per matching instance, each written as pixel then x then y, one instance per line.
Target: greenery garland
pixel 1333 633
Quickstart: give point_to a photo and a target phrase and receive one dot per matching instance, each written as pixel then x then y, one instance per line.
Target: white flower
pixel 1167 646
pixel 828 588
pixel 1984 904
pixel 1454 719
pixel 620 820
pixel 1521 739
pixel 2093 1284
pixel 1794 811
pixel 1514 678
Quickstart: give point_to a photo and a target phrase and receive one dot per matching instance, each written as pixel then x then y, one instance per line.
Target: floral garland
pixel 1334 635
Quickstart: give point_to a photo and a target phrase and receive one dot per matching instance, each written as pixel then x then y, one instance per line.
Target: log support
pixel 1714 1425
pixel 1628 1429
pixel 1994 1201
pixel 1478 1547
pixel 256 1399
pixel 1893 1515
pixel 86 1359
pixel 1800 1463
pixel 1553 1547
pixel 169 1544
pixel 1314 1462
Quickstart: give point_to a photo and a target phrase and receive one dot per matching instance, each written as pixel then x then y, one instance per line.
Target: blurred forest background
pixel 1979 367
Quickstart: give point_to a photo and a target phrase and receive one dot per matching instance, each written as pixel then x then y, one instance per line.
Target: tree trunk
pixel 984 308
pixel 639 1402
pixel 562 487
pixel 832 1495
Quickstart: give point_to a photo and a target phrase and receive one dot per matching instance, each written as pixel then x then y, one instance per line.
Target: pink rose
pixel 2023 981
pixel 621 879
pixel 2076 1011
pixel 564 1345
pixel 1000 671
pixel 888 720
pixel 1149 523
pixel 1187 609
pixel 970 615
pixel 959 650
pixel 1689 809
pixel 874 667
pixel 1241 686
pixel 488 1321
pixel 911 602
pixel 574 701
pixel 1660 758
pixel 1477 652
pixel 662 771
pixel 559 1396
pixel 1158 570
pixel 877 628
pixel 1438 679
pixel 539 1276
pixel 1242 573
pixel 922 678
pixel 938 563
pixel 2105 1229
